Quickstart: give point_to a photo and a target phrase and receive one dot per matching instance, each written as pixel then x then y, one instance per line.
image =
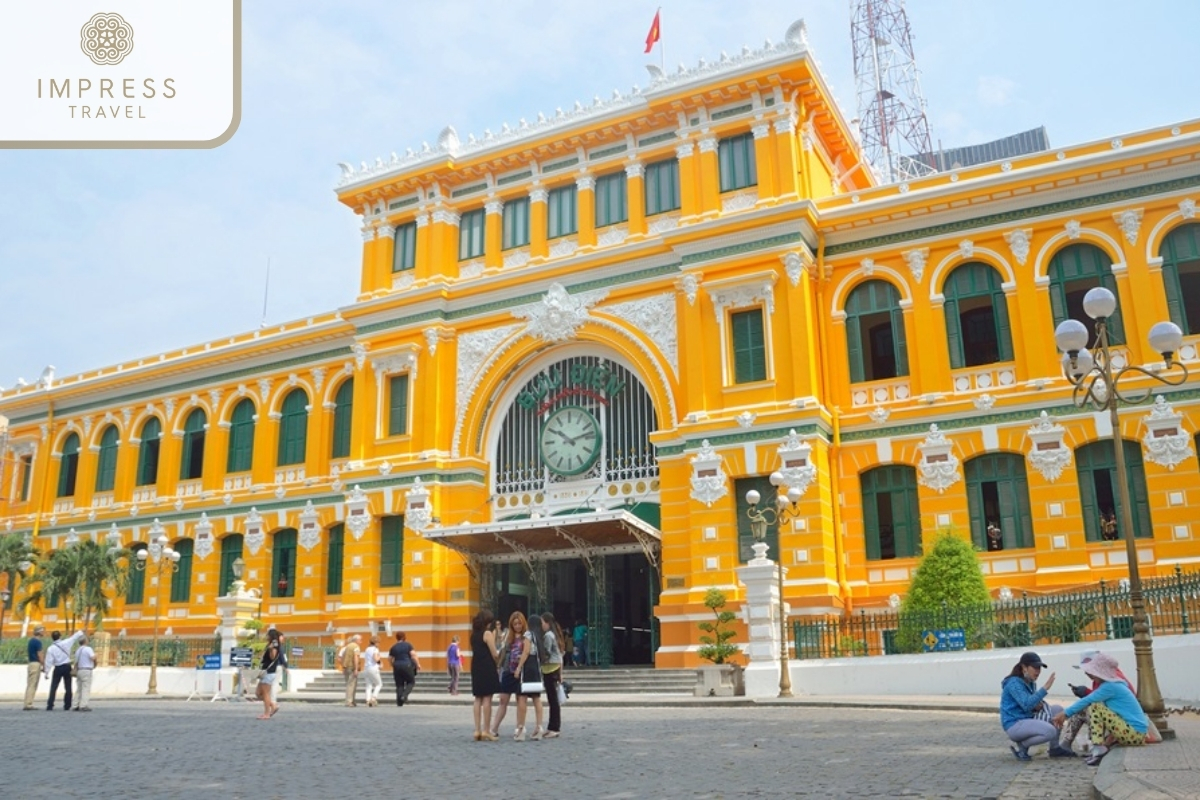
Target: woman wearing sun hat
pixel 1115 716
pixel 1073 725
pixel 1024 713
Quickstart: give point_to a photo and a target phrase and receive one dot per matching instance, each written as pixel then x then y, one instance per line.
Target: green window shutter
pixel 398 405
pixel 471 230
pixel 975 511
pixel 854 349
pixel 735 156
pixel 391 550
pixel 106 466
pixel 749 348
pixel 191 459
pixel 561 219
pixel 26 475
pixel 1170 276
pixel 1089 459
pixel 1003 326
pixel 899 340
pixel 293 429
pixel 662 187
pixel 870 491
pixel 333 574
pixel 1058 301
pixel 745 538
pixel 1116 329
pixel 181 580
pixel 953 332
pixel 147 472
pixel 906 514
pixel 516 223
pixel 135 589
pixel 343 413
pixel 1180 247
pixel 1135 474
pixel 610 199
pixel 68 466
pixel 231 551
pixel 241 437
pixel 283 563
pixel 404 255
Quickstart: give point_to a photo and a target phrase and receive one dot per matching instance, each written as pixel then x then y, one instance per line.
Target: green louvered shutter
pixel 870 502
pixel 1116 329
pixel 854 348
pixel 241 437
pixel 333 574
pixel 1135 474
pixel 391 550
pixel 899 338
pixel 293 429
pixel 398 405
pixel 953 332
pixel 106 466
pixel 343 410
pixel 181 580
pixel 1003 326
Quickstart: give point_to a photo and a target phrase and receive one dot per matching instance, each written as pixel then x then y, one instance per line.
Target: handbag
pixel 531 678
pixel 562 694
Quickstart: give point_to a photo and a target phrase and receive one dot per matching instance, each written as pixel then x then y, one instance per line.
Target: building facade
pixel 579 342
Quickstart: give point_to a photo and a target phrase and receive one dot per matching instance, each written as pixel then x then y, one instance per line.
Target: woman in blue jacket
pixel 1024 714
pixel 1116 717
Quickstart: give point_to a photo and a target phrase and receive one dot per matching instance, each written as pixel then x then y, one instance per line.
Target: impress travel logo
pixel 76 78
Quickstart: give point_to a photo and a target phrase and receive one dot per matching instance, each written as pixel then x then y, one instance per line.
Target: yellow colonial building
pixel 579 341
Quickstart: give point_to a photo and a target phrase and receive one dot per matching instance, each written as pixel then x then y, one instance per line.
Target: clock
pixel 570 441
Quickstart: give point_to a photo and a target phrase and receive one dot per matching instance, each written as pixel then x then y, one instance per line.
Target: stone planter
pixel 720 680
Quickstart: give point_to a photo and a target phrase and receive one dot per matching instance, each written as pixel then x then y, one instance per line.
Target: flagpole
pixel 662 48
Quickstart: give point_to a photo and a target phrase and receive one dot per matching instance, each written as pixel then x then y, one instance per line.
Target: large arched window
pixel 293 428
pixel 283 563
pixel 181 580
pixel 231 551
pixel 1073 271
pixel 1180 253
pixel 343 409
pixel 875 333
pixel 191 461
pixel 68 467
pixel 998 502
pixel 891 512
pixel 976 311
pixel 151 436
pixel 106 464
pixel 135 588
pixel 241 437
pixel 1096 468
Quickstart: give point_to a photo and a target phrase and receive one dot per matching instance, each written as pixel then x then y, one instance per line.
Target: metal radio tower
pixel 891 109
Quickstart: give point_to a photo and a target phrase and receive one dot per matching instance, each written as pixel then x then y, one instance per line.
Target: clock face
pixel 570 441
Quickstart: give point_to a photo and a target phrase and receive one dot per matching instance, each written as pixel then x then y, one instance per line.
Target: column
pixel 423 256
pixel 266 437
pixel 689 189
pixel 385 253
pixel 635 197
pixel 493 233
pixel 786 170
pixel 366 412
pixel 585 210
pixel 708 177
pixel 370 279
pixel 443 245
pixel 760 613
pixel 538 248
pixel 216 449
pixel 764 156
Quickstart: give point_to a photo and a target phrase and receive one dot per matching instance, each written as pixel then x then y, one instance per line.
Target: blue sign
pixel 942 640
pixel 208 661
pixel 241 657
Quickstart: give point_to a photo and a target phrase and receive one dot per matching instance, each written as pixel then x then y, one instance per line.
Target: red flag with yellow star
pixel 653 35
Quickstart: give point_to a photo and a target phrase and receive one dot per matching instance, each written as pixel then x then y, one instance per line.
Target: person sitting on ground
pixel 1024 713
pixel 1073 724
pixel 1116 717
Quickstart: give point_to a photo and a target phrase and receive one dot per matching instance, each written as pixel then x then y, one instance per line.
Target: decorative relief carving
pixel 746 419
pixel 939 466
pixel 916 260
pixel 1048 455
pixel 635 169
pixel 1018 242
pixel 1187 208
pixel 868 266
pixel 565 246
pixel 655 317
pixel 255 538
pixel 708 475
pixel 743 295
pixel 1073 229
pixel 358 512
pixel 1130 221
pixel 476 351
pixel 203 544
pixel 661 223
pixel 739 201
pixel 310 527
pixel 431 340
pixel 517 257
pixel 708 144
pixel 1167 443
pixel 798 471
pixel 360 353
pixel 880 414
pixel 264 389
pixel 966 248
pixel 612 235
pixel 559 315
pixel 418 515
pixel 984 402
pixel 471 269
pixel 689 284
pixel 794 264
pixel 318 376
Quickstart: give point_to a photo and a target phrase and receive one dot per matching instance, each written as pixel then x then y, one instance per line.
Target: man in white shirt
pixel 85 662
pixel 58 666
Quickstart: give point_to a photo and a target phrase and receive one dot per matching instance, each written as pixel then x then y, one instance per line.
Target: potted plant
pixel 723 678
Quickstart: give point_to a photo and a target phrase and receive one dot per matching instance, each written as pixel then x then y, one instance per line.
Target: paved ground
pixel 168 748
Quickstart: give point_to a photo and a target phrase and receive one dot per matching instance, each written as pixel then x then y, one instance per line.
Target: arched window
pixel 1180 253
pixel 976 311
pixel 293 428
pixel 106 464
pixel 1073 271
pixel 68 467
pixel 998 502
pixel 151 436
pixel 191 461
pixel 241 437
pixel 135 589
pixel 1096 469
pixel 333 574
pixel 231 551
pixel 891 512
pixel 343 409
pixel 283 563
pixel 875 333
pixel 181 580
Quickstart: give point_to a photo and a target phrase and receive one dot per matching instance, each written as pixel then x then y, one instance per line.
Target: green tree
pixel 17 560
pixel 715 644
pixel 947 591
pixel 84 575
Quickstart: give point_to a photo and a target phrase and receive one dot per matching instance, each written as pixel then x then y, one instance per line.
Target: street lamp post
pixel 5 596
pixel 157 559
pixel 1098 385
pixel 786 509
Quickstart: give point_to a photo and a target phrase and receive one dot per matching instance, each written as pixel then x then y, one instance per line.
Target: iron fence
pixel 1089 615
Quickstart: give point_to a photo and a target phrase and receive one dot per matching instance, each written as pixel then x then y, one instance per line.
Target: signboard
pixel 297 652
pixel 942 640
pixel 241 657
pixel 208 661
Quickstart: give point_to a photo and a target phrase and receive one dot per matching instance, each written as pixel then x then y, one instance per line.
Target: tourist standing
pixel 405 666
pixel 485 681
pixel 349 661
pixel 453 664
pixel 85 664
pixel 58 667
pixel 531 675
pixel 552 664
pixel 267 675
pixel 37 664
pixel 371 662
pixel 516 646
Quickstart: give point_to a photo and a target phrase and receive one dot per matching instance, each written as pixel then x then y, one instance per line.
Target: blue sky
pixel 108 256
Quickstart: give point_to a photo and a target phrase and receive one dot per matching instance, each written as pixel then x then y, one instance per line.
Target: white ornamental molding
pixel 746 419
pixel 431 340
pixel 654 317
pixel 1167 443
pixel 559 315
pixel 708 476
pixel 612 235
pixel 868 266
pixel 310 527
pixel 743 294
pixel 984 402
pixel 477 351
pixel 939 466
pixel 395 361
pixel 1048 455
pixel 916 260
pixel 418 515
pixel 358 512
pixel 1073 229
pixel 880 414
pixel 360 353
pixel 739 201
pixel 203 534
pixel 255 538
pixel 662 223
pixel 1130 221
pixel 1187 208
pixel 794 264
pixel 1019 242
pixel 798 471
pixel 318 377
pixel 966 248
pixel 689 284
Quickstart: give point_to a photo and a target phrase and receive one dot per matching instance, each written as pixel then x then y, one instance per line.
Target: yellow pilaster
pixel 585 208
pixel 708 177
pixel 764 156
pixel 216 447
pixel 930 320
pixel 1139 309
pixel 635 197
pixel 692 360
pixel 689 182
pixel 424 250
pixel 443 245
pixel 538 247
pixel 385 253
pixel 366 411
pixel 786 161
pixel 170 451
pixel 493 234
pixel 370 276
